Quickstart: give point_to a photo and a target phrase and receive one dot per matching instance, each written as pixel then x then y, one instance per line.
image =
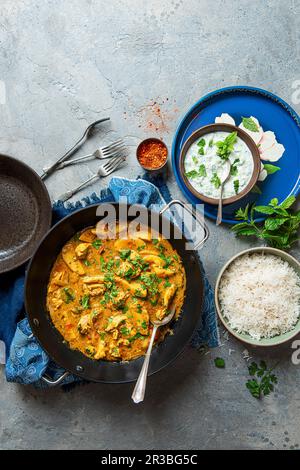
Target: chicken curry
pixel 102 293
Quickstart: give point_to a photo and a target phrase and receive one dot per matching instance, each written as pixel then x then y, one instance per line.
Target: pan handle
pixel 51 382
pixel 194 214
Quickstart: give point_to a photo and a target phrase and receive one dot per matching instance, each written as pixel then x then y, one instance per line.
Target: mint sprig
pixel 225 147
pixel 280 228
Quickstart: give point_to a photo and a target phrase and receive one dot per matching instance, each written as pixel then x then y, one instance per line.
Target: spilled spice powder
pixel 152 154
pixel 157 116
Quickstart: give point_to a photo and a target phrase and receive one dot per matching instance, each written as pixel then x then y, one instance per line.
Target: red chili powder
pixel 152 154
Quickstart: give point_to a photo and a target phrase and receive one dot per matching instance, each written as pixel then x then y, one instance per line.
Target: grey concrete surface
pixel 66 63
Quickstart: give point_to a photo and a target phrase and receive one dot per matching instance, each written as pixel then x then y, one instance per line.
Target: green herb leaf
pixel 273 202
pixel 201 142
pixel 287 203
pixel 279 230
pixel 226 146
pixel 253 368
pixel 242 214
pixel 234 168
pixel 97 243
pixel 69 295
pixel 256 189
pixel 236 185
pixel 273 224
pixel 124 254
pixel 264 209
pixel 211 143
pixel 219 362
pixel 202 170
pixel 192 174
pixel 215 180
pixel 85 301
pixel 249 124
pixel 263 383
pixel 253 388
pixel 246 230
pixel 270 169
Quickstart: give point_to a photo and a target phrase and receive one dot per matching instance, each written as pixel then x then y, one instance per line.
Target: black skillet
pixel 25 212
pixel 74 361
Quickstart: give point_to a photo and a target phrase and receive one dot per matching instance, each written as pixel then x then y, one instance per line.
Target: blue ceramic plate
pixel 273 114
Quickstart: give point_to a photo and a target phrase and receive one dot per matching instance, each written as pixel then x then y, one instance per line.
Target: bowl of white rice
pixel 257 296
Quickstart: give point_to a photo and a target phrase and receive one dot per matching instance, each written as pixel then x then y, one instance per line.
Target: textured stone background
pixel 64 64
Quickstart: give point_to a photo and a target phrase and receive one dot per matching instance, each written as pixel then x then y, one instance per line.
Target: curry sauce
pixel 102 293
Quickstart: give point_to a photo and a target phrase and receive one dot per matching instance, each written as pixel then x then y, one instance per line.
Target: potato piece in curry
pixel 103 293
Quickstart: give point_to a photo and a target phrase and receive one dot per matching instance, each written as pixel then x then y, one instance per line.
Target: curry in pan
pixel 102 293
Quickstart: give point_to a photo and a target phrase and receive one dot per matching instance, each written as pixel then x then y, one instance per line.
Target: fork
pixel 87 133
pixel 104 170
pixel 108 151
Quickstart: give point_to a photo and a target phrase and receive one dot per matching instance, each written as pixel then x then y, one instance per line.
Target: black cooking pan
pixel 52 341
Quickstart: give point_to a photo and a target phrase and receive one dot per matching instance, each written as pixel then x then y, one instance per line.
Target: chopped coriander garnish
pixel 97 243
pixel 167 259
pixel 85 301
pixel 86 262
pixel 136 336
pixel 102 262
pixel 69 295
pixel 211 143
pixel 124 331
pixel 195 160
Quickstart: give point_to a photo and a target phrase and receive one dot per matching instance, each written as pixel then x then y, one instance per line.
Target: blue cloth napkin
pixel 27 361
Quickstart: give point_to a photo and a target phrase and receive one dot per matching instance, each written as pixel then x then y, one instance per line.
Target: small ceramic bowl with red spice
pixel 152 155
